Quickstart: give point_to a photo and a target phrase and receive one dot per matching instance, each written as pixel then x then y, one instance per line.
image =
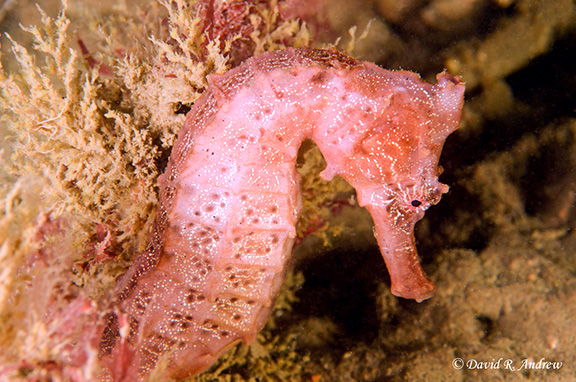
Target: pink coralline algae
pixel 230 198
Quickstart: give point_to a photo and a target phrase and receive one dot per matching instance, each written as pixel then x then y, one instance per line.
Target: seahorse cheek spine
pixel 230 196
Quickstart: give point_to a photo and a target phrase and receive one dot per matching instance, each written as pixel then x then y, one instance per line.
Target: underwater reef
pixel 92 98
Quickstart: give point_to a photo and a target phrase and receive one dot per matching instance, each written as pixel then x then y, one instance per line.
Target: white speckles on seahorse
pixel 230 198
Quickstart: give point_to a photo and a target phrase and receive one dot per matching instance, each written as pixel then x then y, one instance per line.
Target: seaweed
pixel 88 133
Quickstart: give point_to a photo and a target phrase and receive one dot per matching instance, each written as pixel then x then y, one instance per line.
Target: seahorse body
pixel 230 197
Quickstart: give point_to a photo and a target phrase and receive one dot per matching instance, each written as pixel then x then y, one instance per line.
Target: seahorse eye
pixel 416 203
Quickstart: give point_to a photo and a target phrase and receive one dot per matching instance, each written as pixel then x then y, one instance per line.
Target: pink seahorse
pixel 230 198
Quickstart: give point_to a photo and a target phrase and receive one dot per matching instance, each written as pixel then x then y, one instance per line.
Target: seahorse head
pixel 393 161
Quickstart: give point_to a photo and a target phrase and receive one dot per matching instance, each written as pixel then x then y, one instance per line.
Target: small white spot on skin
pixel 124 326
